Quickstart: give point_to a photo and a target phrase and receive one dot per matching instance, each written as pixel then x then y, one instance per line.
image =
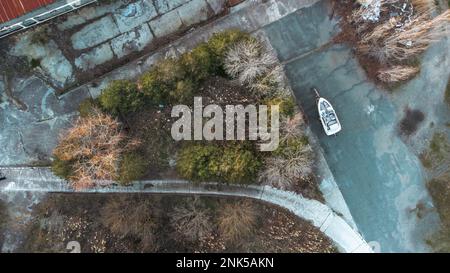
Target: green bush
pixel 133 167
pixel 183 92
pixel 121 96
pixel 88 107
pixel 212 163
pixel 155 91
pixel 199 63
pixel 169 71
pixel 286 105
pixel 175 80
pixel 161 80
pixel 236 165
pixel 62 168
pixel 193 162
pixel 220 42
pixel 35 63
pixel 291 146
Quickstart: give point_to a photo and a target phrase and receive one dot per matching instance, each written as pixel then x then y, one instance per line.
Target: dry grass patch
pixel 237 221
pixel 397 73
pixel 191 221
pixel 127 216
pixel 389 41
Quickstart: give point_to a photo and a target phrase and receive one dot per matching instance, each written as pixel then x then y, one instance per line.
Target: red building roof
pixel 10 9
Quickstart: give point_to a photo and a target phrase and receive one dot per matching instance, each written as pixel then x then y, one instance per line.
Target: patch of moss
pixel 35 63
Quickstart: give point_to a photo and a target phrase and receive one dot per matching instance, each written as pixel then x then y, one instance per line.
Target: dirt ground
pixel 151 126
pixel 61 218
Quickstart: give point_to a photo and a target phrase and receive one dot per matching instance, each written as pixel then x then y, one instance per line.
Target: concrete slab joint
pixel 132 41
pixel 166 24
pixel 193 12
pixel 96 56
pixel 95 33
pixel 135 14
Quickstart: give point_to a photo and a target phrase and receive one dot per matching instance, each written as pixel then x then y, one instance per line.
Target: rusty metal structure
pixel 42 10
pixel 11 9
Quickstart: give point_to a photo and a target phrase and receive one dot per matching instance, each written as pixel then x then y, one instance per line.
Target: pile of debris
pixel 391 33
pixel 370 10
pixel 374 11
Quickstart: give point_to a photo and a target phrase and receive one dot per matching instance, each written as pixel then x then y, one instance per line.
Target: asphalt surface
pixel 380 177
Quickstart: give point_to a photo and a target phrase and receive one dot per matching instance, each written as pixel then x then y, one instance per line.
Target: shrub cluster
pixel 89 151
pixel 121 97
pixel 398 38
pixel 172 81
pixel 132 167
pixel 234 164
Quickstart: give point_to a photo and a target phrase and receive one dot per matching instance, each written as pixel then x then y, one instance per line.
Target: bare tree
pixel 93 144
pixel 284 171
pixel 248 60
pixel 132 216
pixel 292 127
pixel 191 221
pixel 270 83
pixel 237 221
pixel 387 43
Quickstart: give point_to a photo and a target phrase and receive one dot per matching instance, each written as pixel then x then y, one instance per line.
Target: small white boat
pixel 328 117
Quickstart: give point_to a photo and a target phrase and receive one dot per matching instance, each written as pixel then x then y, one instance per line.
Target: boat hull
pixel 328 117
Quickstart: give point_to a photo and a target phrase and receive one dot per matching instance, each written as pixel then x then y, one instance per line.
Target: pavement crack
pixel 10 94
pixel 304 55
pixel 22 143
pixel 337 68
pixel 343 92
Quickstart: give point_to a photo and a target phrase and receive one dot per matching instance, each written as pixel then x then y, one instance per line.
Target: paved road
pixel 380 178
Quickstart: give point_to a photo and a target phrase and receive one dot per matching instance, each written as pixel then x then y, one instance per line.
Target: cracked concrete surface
pixel 28 136
pixel 80 46
pixel 31 114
